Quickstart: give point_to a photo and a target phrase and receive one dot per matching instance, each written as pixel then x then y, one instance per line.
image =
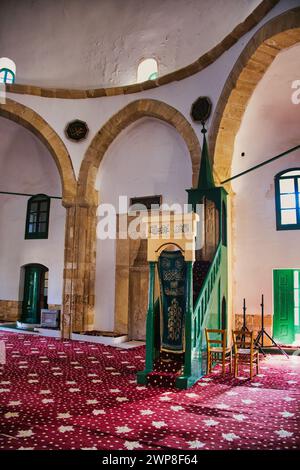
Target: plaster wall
pixel 26 166
pixel 269 127
pixel 148 158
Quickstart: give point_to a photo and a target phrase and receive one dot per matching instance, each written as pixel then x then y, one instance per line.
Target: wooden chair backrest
pixel 243 339
pixel 222 341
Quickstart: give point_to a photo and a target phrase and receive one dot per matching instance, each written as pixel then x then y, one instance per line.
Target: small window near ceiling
pixel 37 219
pixel 7 70
pixel 147 70
pixel 287 197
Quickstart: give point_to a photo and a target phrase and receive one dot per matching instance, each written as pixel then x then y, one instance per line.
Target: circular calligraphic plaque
pixel 77 130
pixel 201 109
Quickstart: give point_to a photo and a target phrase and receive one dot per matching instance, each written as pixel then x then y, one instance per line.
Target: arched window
pixel 37 219
pixel 147 70
pixel 287 198
pixel 7 70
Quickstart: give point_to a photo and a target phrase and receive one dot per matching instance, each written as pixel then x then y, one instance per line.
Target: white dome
pixel 95 43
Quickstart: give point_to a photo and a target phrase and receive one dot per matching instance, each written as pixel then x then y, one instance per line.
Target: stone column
pixel 79 269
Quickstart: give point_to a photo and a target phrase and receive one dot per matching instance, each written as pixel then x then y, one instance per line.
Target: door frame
pixel 273 310
pixel 42 269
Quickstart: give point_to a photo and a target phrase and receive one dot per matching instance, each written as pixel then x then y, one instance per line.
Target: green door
pixel 297 304
pixel 34 293
pixel 283 320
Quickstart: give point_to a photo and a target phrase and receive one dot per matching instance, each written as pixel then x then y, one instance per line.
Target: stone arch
pixel 84 284
pixel 278 34
pixel 29 119
pixel 123 118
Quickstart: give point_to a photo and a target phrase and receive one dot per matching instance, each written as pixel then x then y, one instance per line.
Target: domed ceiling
pixel 94 43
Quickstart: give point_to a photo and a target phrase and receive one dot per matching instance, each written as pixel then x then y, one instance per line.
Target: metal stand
pixel 244 327
pixel 259 342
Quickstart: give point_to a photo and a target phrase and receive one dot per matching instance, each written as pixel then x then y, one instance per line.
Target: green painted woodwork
pixel 205 314
pixel 297 301
pixel 150 328
pixel 283 320
pixel 224 318
pixel 184 380
pixel 294 194
pixel 219 305
pixel 7 76
pixel 153 76
pixel 205 180
pixel 224 224
pixel 209 310
pixel 33 297
pixel 37 217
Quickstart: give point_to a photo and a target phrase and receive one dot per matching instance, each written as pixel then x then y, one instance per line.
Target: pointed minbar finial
pixel 206 179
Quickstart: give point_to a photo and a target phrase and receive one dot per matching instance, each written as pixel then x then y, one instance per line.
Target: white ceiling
pixel 86 43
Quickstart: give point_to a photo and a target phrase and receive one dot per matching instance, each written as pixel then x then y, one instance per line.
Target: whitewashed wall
pixel 26 166
pixel 148 158
pixel 270 126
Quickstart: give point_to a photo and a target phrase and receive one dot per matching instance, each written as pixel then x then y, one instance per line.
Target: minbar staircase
pixel 168 367
pixel 166 370
pixel 182 371
pixel 207 292
pixel 200 270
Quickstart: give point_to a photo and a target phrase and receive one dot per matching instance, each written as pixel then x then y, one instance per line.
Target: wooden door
pixel 33 296
pixel 283 319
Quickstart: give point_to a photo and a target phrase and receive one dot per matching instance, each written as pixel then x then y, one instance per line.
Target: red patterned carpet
pixel 75 395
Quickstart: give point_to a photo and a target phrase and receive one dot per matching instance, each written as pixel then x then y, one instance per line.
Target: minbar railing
pixel 200 315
